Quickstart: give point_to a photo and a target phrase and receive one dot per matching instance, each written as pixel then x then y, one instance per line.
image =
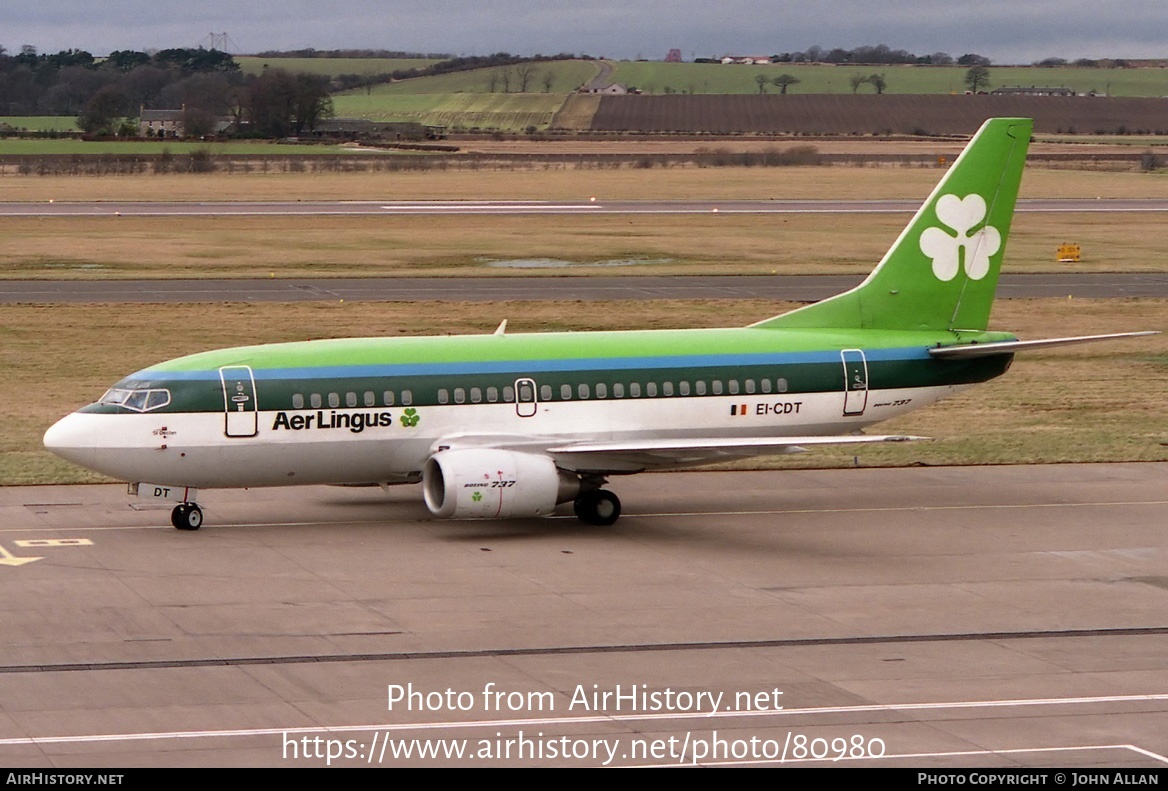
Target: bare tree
pixel 856 81
pixel 505 76
pixel 784 81
pixel 549 77
pixel 878 82
pixel 524 71
pixel 762 81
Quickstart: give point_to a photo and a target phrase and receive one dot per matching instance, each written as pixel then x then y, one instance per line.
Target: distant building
pixel 160 123
pixel 613 89
pixel 747 60
pixel 674 56
pixel 1032 91
pixel 169 123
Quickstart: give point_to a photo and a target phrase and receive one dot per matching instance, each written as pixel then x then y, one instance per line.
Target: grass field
pixel 465 246
pixel 566 183
pixel 1101 402
pixel 68 147
pixel 478 99
pixel 332 67
pixel 506 112
pixel 654 77
pixel 41 123
pixel 460 246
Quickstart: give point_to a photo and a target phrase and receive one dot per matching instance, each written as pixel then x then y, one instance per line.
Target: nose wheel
pixel 598 507
pixel 187 516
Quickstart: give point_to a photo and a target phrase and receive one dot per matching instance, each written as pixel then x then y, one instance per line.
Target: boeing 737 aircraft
pixel 501 426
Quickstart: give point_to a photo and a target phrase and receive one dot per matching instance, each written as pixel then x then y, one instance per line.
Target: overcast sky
pixel 1007 31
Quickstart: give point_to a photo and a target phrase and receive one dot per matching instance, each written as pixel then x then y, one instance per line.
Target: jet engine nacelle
pixel 472 483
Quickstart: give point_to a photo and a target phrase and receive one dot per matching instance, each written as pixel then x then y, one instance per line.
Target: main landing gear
pixel 598 507
pixel 187 516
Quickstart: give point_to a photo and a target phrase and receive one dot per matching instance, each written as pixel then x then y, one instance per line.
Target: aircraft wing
pixel 1008 347
pixel 636 455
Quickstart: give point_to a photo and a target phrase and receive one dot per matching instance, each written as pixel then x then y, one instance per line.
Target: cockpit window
pixel 143 400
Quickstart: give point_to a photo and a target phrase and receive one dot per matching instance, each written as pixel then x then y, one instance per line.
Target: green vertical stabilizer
pixel 941 273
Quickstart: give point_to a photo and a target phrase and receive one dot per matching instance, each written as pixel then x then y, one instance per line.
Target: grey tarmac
pixel 975 617
pixel 802 288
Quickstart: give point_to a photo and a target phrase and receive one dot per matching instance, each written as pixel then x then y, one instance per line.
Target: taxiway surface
pixel 988 616
pixel 803 288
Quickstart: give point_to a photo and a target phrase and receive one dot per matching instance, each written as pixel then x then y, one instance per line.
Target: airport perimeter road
pixel 941 617
pixel 323 208
pixel 803 288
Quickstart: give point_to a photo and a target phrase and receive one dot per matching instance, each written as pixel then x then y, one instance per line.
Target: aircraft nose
pixel 68 439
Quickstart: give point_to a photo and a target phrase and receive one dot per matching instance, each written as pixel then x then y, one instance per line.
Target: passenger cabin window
pixel 314 400
pixel 667 388
pixel 492 394
pixel 334 400
pixel 582 390
pixel 781 385
pixel 407 397
pixel 700 387
pixel 766 385
pixel 509 394
pixel 443 396
pixel 651 389
pixel 601 390
pixel 749 385
pixel 387 398
pixel 635 389
pixel 459 395
pixel 545 392
pixel 733 386
pixel 350 400
pixel 618 390
pixel 716 387
pixel 566 392
pixel 298 401
pixel 476 395
pixel 370 398
pixel 683 388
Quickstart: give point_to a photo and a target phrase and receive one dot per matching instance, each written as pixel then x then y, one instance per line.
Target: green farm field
pixel 654 77
pixel 50 147
pixel 332 67
pixel 1080 404
pixel 41 123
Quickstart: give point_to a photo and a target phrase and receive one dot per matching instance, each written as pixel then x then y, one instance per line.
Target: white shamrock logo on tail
pixel 961 214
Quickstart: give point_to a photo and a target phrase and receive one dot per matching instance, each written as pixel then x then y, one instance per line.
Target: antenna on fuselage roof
pixel 502 328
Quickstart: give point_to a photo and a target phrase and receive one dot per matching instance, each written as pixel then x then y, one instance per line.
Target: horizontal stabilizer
pixel 1008 347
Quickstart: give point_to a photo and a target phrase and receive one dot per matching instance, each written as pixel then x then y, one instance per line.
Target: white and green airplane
pixel 503 426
